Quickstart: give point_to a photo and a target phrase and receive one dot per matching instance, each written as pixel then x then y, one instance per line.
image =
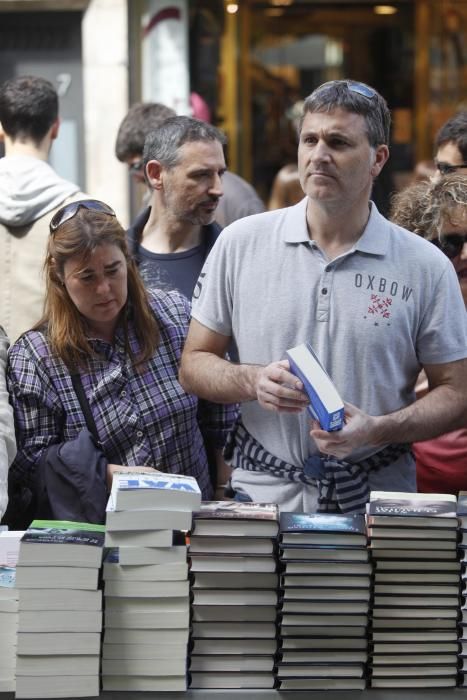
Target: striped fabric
pixel 342 486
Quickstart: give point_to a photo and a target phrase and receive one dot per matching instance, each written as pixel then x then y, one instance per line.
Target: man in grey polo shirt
pixel 375 301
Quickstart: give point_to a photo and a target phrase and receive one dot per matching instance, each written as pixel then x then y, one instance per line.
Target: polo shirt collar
pixel 374 239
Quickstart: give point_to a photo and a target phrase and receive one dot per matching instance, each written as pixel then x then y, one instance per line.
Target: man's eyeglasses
pixel 353 86
pixel 70 210
pixel 450 244
pixel 447 168
pixel 137 166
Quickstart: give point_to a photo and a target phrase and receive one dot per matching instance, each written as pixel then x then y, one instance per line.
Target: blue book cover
pixel 326 406
pixel 322 522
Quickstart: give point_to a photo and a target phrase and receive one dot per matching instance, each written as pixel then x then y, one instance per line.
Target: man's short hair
pixel 355 97
pixel 28 107
pixel 164 143
pixel 455 131
pixel 142 118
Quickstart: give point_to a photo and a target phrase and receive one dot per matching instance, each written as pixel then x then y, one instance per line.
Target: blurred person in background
pixel 30 192
pixel 438 211
pixel 286 188
pixel 239 199
pixel 7 428
pixel 451 145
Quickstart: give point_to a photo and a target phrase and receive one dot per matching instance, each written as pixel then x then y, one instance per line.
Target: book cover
pixel 294 683
pixel 203 544
pixel 146 518
pixel 152 684
pixel 322 529
pixel 62 543
pixel 234 613
pixel 233 630
pixel 230 680
pixel 161 490
pixel 432 505
pixel 233 562
pixel 237 647
pixel 341 553
pixel 234 519
pixel 335 631
pixel 318 644
pixel 234 579
pixel 230 662
pixel 233 597
pixel 326 406
pixel 9 546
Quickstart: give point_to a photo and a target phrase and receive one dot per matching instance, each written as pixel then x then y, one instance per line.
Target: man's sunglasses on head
pixel 352 86
pixel 450 244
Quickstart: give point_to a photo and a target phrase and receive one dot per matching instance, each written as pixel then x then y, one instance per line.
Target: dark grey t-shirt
pixel 169 271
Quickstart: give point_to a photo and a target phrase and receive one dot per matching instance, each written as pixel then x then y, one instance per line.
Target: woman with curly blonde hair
pixel 438 211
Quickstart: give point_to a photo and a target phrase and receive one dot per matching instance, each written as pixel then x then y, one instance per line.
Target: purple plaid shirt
pixel 143 419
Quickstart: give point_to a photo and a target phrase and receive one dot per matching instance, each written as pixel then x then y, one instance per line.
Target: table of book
pixel 369 694
pixel 428 560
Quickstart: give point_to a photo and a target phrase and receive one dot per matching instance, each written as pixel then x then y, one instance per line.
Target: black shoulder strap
pixel 85 407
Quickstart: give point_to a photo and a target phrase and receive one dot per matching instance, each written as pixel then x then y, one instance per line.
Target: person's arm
pixel 206 373
pixel 443 409
pixel 7 427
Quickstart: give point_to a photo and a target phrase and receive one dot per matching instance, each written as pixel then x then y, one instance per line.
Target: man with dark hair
pixel 451 145
pixel 183 163
pixel 142 118
pixel 375 302
pixel 30 192
pixel 239 199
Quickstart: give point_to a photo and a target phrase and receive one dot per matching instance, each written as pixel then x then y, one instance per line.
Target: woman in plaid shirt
pixel 126 344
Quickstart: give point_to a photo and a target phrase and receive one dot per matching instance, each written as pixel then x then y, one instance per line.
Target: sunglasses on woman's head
pixel 70 210
pixel 450 244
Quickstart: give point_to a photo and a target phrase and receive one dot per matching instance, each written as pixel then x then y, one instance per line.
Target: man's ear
pixel 54 129
pixel 153 173
pixel 380 157
pixel 2 133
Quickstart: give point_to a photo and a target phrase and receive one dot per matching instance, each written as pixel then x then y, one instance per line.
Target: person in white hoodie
pixel 30 193
pixel 7 428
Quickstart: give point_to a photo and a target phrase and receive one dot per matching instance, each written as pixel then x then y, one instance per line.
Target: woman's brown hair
pixel 65 326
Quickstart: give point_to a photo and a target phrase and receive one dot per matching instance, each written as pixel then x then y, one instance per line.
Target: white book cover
pixel 9 546
pixel 146 518
pixel 159 490
pixel 326 406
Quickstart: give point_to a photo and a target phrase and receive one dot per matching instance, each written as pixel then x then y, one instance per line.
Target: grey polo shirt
pixel 374 315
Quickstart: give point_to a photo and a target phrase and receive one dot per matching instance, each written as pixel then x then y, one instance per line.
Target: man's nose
pixel 216 188
pixel 320 151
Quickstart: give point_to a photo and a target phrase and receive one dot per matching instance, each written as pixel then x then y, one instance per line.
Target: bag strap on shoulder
pixel 84 403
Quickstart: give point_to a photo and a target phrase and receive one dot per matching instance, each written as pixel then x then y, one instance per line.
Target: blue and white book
pixel 326 406
pixel 158 490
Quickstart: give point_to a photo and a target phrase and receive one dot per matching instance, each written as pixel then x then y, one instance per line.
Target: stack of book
pixel 462 544
pixel 234 595
pixel 60 610
pixel 413 540
pixel 325 596
pixel 9 549
pixel 147 606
